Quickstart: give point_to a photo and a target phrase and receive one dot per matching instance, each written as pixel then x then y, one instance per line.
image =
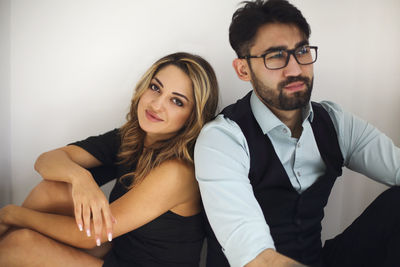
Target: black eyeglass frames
pixel 279 58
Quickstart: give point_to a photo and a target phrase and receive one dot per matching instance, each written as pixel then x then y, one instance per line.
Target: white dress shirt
pixel 222 163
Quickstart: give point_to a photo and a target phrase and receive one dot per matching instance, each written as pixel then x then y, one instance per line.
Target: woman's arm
pixel 69 164
pixel 66 164
pixel 169 185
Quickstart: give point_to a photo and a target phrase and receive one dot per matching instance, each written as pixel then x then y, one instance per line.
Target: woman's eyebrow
pixel 155 78
pixel 178 94
pixel 175 93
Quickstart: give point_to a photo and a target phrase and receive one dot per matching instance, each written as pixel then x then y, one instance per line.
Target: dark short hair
pixel 254 14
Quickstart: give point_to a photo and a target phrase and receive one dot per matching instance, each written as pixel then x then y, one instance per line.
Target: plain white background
pixel 68 69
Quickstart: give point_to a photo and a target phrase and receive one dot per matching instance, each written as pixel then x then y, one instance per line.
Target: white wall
pixel 5 148
pixel 73 65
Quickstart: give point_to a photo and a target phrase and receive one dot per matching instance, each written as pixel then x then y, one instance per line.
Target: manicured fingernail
pixel 109 237
pixel 80 227
pixel 88 232
pixel 98 242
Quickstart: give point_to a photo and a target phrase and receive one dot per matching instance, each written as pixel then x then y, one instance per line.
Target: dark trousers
pixel 372 240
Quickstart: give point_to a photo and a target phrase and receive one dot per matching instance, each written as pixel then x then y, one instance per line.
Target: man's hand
pixel 270 257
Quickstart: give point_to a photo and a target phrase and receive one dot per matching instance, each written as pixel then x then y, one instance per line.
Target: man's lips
pixel 295 86
pixel 151 116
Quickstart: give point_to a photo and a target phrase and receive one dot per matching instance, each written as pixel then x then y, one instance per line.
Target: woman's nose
pixel 158 103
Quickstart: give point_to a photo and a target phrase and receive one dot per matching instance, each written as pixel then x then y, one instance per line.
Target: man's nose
pixel 293 68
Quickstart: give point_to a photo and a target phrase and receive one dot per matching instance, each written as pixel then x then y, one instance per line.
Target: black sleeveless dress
pixel 168 240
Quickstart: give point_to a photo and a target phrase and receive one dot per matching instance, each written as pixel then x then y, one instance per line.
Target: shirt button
pixel 298 144
pixel 284 130
pixel 298 174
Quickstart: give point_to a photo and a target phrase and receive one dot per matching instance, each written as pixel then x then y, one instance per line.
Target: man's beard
pixel 277 98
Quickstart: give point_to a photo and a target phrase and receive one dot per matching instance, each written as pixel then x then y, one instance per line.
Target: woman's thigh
pixel 24 247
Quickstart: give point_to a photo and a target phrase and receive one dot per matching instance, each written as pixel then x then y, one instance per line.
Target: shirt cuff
pixel 240 250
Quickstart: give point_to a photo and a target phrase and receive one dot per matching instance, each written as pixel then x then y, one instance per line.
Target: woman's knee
pixel 19 238
pixel 14 244
pixel 50 196
pixel 53 189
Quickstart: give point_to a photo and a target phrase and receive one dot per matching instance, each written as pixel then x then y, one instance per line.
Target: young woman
pixel 154 216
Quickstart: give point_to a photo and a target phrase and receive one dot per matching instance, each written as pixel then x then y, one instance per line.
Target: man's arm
pixel 222 166
pixel 365 149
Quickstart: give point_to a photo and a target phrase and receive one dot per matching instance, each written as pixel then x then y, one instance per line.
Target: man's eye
pixel 276 55
pixel 177 102
pixel 303 50
pixel 154 87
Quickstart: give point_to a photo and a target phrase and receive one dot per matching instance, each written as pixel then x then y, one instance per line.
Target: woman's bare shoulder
pixel 176 166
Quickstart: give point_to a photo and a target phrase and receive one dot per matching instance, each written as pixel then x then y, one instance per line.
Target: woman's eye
pixel 154 87
pixel 177 102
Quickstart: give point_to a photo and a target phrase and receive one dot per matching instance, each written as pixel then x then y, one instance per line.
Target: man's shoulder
pixel 221 130
pixel 330 106
pixel 221 124
pixel 334 110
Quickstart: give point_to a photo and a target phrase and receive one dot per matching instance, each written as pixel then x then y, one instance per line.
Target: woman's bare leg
pixel 51 197
pixel 47 196
pixel 24 247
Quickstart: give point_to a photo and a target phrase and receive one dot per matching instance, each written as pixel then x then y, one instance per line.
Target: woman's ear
pixel 242 69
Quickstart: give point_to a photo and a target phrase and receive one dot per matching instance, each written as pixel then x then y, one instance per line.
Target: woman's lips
pixel 294 87
pixel 151 116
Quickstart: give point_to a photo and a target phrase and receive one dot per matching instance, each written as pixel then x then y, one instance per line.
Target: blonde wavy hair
pixel 180 146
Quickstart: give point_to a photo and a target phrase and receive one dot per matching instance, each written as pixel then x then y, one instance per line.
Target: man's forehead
pixel 277 35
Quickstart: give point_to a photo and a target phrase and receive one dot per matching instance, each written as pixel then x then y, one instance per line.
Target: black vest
pixel 294 219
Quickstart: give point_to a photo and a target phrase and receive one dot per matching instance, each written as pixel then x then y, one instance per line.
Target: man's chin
pixel 294 103
pixel 295 100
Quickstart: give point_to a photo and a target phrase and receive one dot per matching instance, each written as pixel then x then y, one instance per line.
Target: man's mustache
pixel 291 79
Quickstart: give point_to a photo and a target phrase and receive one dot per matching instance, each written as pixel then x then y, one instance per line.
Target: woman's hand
pixel 69 164
pixel 4 213
pixel 90 204
pixel 3 229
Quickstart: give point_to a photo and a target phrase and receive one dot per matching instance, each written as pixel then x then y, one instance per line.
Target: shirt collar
pixel 267 120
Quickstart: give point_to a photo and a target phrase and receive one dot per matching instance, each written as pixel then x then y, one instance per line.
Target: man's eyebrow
pixel 301 43
pixel 275 48
pixel 283 47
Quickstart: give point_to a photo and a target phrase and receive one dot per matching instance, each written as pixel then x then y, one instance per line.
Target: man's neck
pixel 291 118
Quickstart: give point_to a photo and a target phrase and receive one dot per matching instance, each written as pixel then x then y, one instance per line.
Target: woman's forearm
pixel 56 165
pixel 59 227
pixel 69 164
